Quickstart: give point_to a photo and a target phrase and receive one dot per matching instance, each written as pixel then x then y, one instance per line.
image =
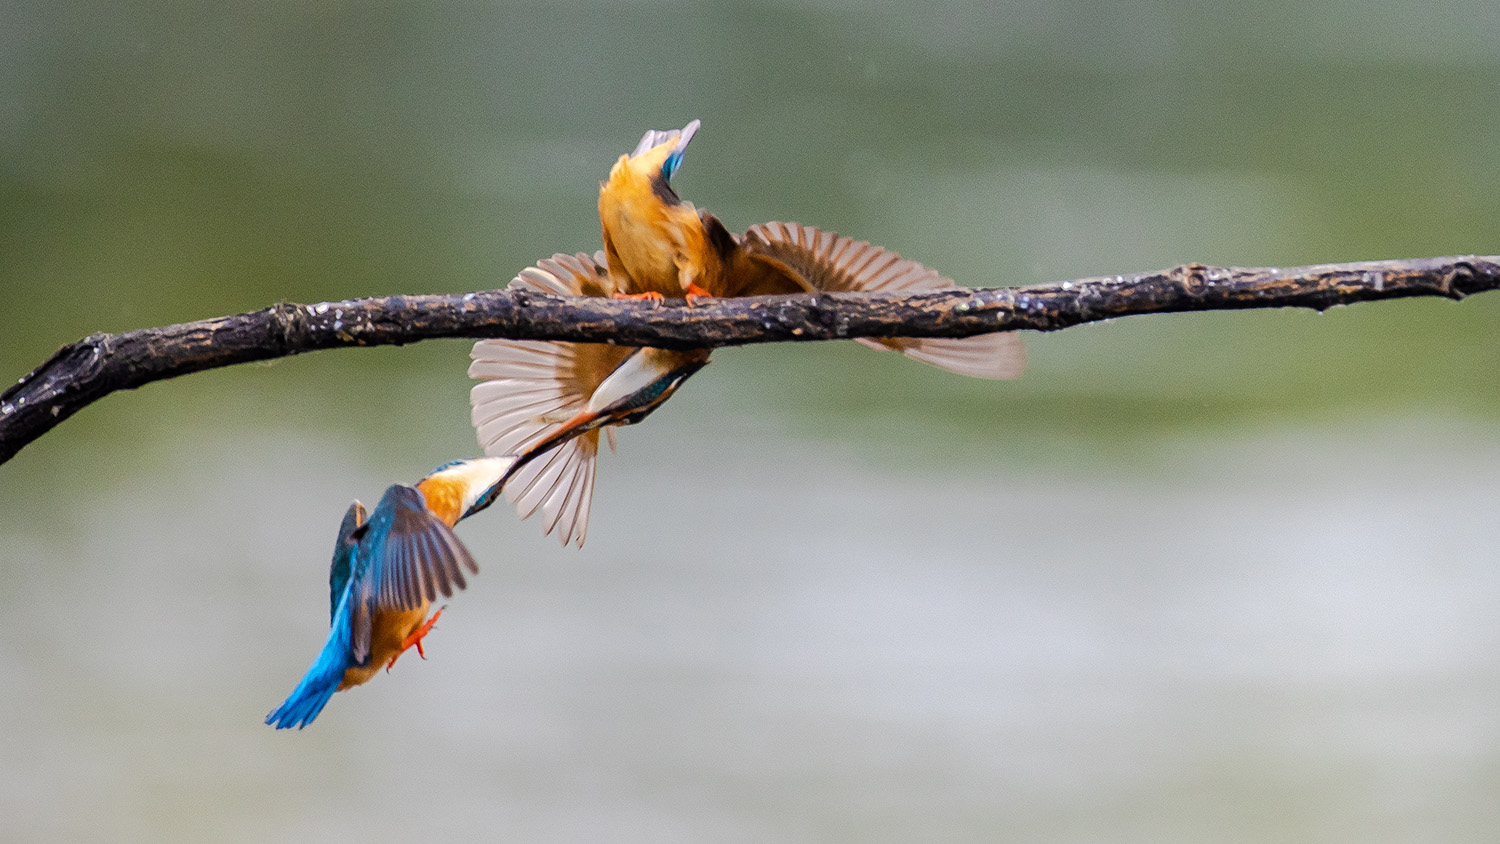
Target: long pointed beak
pixel 674 160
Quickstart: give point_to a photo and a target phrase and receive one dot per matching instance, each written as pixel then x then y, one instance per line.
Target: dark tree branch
pixel 97 365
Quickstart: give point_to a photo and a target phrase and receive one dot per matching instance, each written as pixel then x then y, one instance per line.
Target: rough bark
pixel 97 365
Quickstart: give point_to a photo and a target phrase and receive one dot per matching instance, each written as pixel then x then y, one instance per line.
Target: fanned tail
pixel 529 386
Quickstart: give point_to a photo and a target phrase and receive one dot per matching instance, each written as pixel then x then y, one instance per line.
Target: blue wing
pixel 414 556
pixel 327 671
pixel 402 558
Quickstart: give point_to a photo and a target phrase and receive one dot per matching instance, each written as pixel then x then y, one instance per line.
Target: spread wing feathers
pixel 528 387
pixel 412 556
pixel 819 260
pixel 580 274
pixel 561 485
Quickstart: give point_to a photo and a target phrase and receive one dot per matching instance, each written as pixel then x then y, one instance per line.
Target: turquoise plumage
pixel 385 573
pixel 542 406
pixel 343 557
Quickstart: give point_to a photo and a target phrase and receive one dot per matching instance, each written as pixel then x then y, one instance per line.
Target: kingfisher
pixel 552 399
pixel 388 570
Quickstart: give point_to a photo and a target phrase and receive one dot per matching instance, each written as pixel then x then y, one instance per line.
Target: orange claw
pixel 415 638
pixel 694 293
pixel 649 295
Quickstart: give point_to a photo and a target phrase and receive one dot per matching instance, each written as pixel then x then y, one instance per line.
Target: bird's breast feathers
pixel 657 246
pixel 388 631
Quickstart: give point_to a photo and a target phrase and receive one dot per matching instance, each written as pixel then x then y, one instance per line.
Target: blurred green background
pixel 1224 577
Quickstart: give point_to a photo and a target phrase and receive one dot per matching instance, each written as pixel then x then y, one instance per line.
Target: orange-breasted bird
pixel 387 571
pixel 539 395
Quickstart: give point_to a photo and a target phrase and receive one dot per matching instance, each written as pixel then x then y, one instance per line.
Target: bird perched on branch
pixel 539 395
pixel 387 571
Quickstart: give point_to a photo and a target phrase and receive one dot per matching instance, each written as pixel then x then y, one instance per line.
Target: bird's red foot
pixel 694 293
pixel 415 639
pixel 649 295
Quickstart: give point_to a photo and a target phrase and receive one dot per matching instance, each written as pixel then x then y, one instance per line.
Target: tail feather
pixel 321 680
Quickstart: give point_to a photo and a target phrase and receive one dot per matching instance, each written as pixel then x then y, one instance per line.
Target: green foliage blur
pixel 1215 577
pixel 161 163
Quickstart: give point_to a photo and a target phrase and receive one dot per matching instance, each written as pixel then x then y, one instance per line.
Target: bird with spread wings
pixel 542 405
pixel 548 401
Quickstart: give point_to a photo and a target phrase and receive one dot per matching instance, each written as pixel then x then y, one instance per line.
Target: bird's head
pixel 657 157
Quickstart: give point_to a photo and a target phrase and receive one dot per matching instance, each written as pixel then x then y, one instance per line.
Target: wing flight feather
pixel 528 387
pixel 813 260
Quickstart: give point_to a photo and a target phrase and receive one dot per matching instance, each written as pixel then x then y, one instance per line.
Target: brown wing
pixel 529 386
pixel 793 258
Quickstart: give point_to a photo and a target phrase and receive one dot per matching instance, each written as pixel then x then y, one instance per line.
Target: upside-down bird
pixel 540 395
pixel 387 571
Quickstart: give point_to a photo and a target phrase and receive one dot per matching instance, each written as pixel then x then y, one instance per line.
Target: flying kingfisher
pixel 538 396
pixel 387 571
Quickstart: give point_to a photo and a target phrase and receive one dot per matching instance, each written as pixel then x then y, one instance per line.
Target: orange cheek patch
pixel 444 499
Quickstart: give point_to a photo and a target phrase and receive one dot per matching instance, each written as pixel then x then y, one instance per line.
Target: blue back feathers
pixel 400 559
pixel 322 679
pixel 343 556
pixel 449 465
pixel 327 671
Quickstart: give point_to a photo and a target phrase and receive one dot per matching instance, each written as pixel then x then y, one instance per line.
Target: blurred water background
pixel 1223 577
